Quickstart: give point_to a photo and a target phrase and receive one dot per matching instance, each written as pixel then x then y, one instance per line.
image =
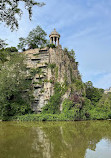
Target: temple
pixel 54 37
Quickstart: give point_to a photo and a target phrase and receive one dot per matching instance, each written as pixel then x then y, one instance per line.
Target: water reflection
pixel 90 139
pixel 103 149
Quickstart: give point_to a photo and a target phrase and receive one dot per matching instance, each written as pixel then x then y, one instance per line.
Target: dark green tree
pixel 22 44
pixel 92 93
pixel 2 44
pixel 15 90
pixel 10 11
pixel 35 38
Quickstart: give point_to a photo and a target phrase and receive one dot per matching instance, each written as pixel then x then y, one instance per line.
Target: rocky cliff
pixel 50 65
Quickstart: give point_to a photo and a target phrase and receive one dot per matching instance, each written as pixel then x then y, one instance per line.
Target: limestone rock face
pixel 49 65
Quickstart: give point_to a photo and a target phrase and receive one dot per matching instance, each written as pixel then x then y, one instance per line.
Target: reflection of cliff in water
pixel 51 139
pixel 70 139
pixel 42 144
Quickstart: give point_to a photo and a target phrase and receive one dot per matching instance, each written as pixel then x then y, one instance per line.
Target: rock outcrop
pixel 50 65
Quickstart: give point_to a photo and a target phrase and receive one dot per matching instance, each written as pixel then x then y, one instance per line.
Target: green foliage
pixel 15 97
pixel 35 38
pixel 54 102
pixel 53 105
pixel 71 111
pixel 79 84
pixel 45 80
pixel 71 115
pixel 41 117
pixel 56 72
pixel 65 50
pixel 22 44
pixel 97 114
pixel 100 110
pixel 85 111
pixel 67 104
pixel 71 54
pixel 2 44
pixel 34 71
pixel 11 49
pixel 109 115
pixel 105 102
pixel 11 10
pixel 52 66
pixel 3 56
pixel 51 45
pixel 89 84
pixel 77 63
pixel 47 117
pixel 92 93
pixel 6 52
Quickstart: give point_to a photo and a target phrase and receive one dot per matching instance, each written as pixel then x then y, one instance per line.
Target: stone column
pixel 53 40
pixel 57 41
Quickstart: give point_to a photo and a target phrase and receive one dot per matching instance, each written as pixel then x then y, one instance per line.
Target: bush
pixel 109 116
pixel 53 105
pixel 11 49
pixel 70 110
pixel 44 117
pixel 52 66
pixel 51 46
pixel 15 90
pixel 67 104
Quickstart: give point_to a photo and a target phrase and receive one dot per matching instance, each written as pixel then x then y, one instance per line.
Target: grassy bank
pixel 43 117
pixel 62 117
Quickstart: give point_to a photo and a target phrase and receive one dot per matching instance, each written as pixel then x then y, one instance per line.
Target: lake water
pixel 84 139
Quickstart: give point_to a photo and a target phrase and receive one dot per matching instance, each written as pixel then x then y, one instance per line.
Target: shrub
pixel 11 49
pixel 67 104
pixel 52 66
pixel 53 104
pixel 109 115
pixel 51 46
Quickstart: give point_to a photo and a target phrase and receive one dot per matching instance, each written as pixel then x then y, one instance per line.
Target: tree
pixel 92 93
pixel 72 53
pixel 11 49
pixel 22 44
pixel 89 84
pixel 105 102
pixel 36 37
pixel 2 44
pixel 15 94
pixel 10 11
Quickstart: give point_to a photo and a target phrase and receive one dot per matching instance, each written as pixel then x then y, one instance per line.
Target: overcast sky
pixel 84 25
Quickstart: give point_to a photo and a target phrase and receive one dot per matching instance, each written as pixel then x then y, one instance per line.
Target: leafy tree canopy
pixel 92 93
pixel 35 38
pixel 2 44
pixel 15 96
pixel 10 11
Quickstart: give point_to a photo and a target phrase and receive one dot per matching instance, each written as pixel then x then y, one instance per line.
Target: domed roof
pixel 54 33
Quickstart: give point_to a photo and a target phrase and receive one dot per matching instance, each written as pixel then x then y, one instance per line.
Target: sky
pixel 84 26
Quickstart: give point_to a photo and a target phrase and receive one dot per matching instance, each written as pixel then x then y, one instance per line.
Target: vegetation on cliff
pixel 35 38
pixel 15 89
pixel 82 104
pixel 83 100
